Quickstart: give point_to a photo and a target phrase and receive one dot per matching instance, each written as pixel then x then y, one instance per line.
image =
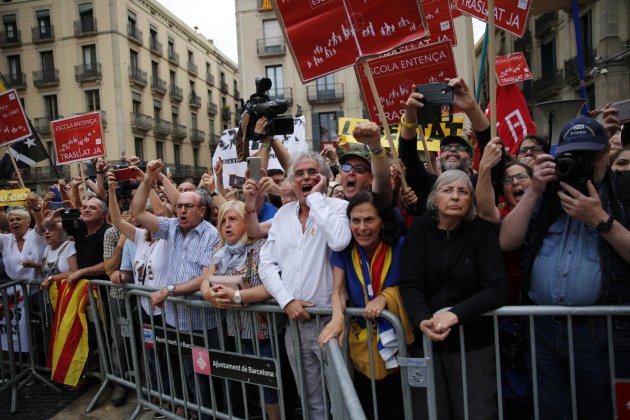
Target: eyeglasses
pixel 459 147
pixel 508 180
pixel 187 206
pixel 300 173
pixel 451 190
pixel 360 169
pixel 533 149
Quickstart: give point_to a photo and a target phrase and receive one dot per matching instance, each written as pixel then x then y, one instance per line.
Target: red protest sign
pixel 327 35
pixel 510 15
pixel 511 68
pixel 394 74
pixel 13 123
pixel 439 21
pixel 78 138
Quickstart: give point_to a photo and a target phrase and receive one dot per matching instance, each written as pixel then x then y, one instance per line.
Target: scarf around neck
pixel 231 257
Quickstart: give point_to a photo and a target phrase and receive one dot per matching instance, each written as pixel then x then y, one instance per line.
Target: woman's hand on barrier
pixel 335 328
pixel 219 296
pixel 74 277
pixel 374 308
pixel 429 328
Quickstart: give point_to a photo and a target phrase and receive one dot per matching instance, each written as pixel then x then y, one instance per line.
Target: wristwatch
pixel 603 227
pixel 237 296
pixel 171 290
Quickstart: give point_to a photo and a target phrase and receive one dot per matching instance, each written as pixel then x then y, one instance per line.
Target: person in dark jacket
pixel 452 273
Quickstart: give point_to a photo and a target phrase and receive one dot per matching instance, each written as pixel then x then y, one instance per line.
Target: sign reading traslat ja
pixel 78 138
pixel 512 68
pixel 13 123
pixel 328 35
pixel 510 15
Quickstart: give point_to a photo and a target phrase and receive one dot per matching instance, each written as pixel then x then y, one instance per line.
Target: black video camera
pixel 575 168
pixel 259 105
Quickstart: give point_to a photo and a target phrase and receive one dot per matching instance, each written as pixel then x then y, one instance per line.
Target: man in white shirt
pixel 295 264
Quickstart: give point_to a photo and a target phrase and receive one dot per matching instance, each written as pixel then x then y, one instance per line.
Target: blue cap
pixel 582 133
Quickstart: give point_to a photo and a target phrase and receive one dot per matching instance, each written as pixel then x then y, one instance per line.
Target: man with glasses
pixel 191 243
pixel 295 265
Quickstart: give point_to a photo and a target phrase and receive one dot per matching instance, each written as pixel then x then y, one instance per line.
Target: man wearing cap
pixel 576 253
pixel 366 170
pixel 456 151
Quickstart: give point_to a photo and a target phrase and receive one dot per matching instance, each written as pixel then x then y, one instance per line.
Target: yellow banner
pixel 18 197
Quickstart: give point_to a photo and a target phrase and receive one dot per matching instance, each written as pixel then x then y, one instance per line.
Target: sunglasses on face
pixel 508 180
pixel 459 147
pixel 360 169
pixel 533 149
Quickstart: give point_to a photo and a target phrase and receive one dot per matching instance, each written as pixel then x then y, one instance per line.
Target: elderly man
pixel 576 253
pixel 295 264
pixel 191 242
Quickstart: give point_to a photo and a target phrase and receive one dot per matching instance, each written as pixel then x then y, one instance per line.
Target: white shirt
pixel 60 255
pixel 304 257
pixel 32 249
pixel 150 266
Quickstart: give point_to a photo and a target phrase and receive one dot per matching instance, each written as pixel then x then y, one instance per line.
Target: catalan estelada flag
pixel 68 348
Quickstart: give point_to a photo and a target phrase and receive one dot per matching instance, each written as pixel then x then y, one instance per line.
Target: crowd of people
pixel 438 251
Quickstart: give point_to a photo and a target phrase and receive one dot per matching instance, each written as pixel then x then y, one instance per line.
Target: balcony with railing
pixel 197 136
pixel 571 74
pixel 198 171
pixel 546 23
pixel 9 40
pixel 329 93
pixel 86 26
pixel 212 108
pixel 46 78
pixel 548 85
pixel 192 68
pixel 213 138
pixel 141 123
pixel 182 171
pixel 224 87
pixel 137 77
pixel 226 113
pixel 269 47
pixel 237 94
pixel 162 128
pixel 264 6
pixel 42 124
pixel 210 79
pixel 176 93
pixel 194 100
pixel 158 86
pixel 43 34
pixel 88 72
pixel 179 132
pixel 281 93
pixel 155 47
pixel 134 34
pixel 46 173
pixel 173 57
pixel 17 80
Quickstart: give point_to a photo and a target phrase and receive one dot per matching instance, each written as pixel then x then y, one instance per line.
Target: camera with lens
pixel 575 168
pixel 259 105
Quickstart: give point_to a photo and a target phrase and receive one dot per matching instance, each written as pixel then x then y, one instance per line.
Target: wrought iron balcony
pixel 545 23
pixel 571 74
pixel 43 34
pixel 137 77
pixel 155 46
pixel 141 123
pixel 162 128
pixel 197 136
pixel 179 132
pixel 194 100
pixel 86 26
pixel 134 34
pixel 548 85
pixel 158 86
pixel 268 47
pixel 283 93
pixel 332 92
pixel 176 93
pixel 226 113
pixel 17 80
pixel 182 171
pixel 224 87
pixel 8 40
pixel 192 68
pixel 42 124
pixel 46 78
pixel 210 79
pixel 213 138
pixel 88 72
pixel 173 57
pixel 212 108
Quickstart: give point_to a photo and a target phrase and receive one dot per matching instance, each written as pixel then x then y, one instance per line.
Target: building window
pixel 157 109
pixel 15 67
pixel 51 107
pixel 89 57
pixel 48 64
pixel 193 121
pixel 548 59
pixel 43 23
pixel 273 35
pixel 136 102
pixel 275 74
pixel 170 49
pixel 10 28
pixel 195 157
pixel 326 87
pixel 159 150
pixel 93 100
pixel 139 144
pixel 86 13
pixel 327 126
pixel 211 126
pixel 155 72
pixel 172 77
pixel 176 154
pixel 133 59
pixel 191 57
pixel 175 114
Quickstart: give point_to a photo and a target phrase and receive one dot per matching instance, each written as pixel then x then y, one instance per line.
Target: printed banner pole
pixel 482 64
pixel 381 115
pixel 492 79
pixel 580 56
pixel 17 170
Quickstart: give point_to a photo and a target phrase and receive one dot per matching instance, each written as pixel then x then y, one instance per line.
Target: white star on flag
pixel 30 142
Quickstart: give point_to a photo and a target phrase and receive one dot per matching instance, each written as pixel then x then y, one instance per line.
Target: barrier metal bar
pixel 497 364
pixel 350 399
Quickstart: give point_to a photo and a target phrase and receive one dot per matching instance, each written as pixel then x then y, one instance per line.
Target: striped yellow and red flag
pixel 68 349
